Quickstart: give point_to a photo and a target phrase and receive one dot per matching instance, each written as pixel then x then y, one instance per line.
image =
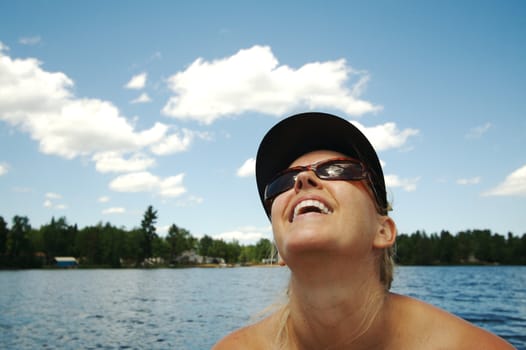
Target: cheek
pixel 278 207
pixel 360 196
pixel 359 211
pixel 277 214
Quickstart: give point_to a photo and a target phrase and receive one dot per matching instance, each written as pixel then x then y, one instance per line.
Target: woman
pixel 322 186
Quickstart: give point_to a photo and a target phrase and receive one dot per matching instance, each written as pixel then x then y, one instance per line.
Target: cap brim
pixel 307 132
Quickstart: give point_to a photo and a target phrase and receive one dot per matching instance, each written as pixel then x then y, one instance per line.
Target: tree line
pixel 22 246
pixel 106 245
pixel 466 247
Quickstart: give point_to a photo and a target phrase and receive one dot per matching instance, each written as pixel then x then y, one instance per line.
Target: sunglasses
pixel 348 169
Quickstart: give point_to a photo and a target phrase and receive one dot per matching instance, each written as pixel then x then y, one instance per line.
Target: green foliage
pixel 106 245
pixel 19 250
pixel 4 232
pixel 247 254
pixel 467 247
pixel 58 236
pixel 149 232
pixel 18 241
pixel 264 249
pixel 179 240
pixel 205 245
pixel 89 243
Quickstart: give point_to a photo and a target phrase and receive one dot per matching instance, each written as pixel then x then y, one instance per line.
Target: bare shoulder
pixel 253 337
pixel 430 327
pixel 238 339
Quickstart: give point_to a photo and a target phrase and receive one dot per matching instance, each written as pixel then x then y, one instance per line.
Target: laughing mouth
pixel 310 206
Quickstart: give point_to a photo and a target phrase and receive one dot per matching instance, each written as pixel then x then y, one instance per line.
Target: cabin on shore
pixel 191 257
pixel 65 262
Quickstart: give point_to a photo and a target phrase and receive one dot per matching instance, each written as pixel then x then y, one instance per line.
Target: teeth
pixel 311 203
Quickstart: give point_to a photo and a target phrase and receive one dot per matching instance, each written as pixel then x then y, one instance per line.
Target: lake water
pixel 193 308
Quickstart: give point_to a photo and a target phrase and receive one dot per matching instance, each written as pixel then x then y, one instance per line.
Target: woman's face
pixel 320 216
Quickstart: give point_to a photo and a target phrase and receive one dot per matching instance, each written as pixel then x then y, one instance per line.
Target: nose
pixel 306 179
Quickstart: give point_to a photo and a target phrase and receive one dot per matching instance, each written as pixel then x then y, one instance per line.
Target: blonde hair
pixel 386 266
pixel 386 256
pixel 282 338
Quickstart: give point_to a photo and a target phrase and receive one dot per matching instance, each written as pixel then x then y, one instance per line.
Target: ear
pixel 386 234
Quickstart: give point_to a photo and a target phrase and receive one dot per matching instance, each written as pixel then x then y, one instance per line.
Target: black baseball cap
pixel 302 133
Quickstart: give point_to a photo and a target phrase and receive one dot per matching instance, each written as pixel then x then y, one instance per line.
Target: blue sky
pixel 107 107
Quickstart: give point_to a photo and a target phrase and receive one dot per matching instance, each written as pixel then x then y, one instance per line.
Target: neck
pixel 333 308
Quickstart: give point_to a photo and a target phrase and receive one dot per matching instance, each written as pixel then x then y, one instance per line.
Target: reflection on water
pixel 193 308
pixel 492 297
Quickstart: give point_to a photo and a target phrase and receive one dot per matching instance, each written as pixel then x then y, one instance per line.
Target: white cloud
pixel 248 168
pixel 114 162
pixel 41 103
pixel 513 185
pixel 104 199
pixel 113 210
pixel 30 40
pixel 25 88
pixel 478 131
pixel 177 142
pixel 246 235
pixel 146 182
pixel 49 201
pixel 137 82
pixel 52 195
pixel 189 201
pixel 408 185
pixel 386 136
pixel 152 136
pixel 4 168
pixel 471 181
pixel 135 182
pixel 143 98
pixel 172 186
pixel 252 80
pixel 88 126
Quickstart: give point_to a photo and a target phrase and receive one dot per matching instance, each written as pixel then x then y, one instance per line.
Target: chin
pixel 307 241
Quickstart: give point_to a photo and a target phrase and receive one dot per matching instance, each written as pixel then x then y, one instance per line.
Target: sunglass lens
pixel 341 171
pixel 281 184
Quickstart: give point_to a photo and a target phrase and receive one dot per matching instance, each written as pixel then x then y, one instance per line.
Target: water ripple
pixel 193 308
